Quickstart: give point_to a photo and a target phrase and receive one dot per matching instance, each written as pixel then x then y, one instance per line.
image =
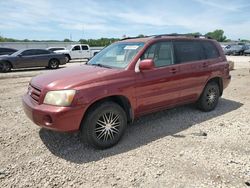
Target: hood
pixel 72 77
pixel 61 51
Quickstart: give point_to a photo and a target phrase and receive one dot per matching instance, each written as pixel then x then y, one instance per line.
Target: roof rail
pixel 171 35
pixel 181 35
pixel 135 37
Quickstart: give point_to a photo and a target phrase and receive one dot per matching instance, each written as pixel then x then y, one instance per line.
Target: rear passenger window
pixel 85 48
pixel 161 53
pixel 186 51
pixel 210 50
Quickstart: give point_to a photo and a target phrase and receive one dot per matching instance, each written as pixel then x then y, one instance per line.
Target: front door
pixel 76 52
pixel 85 51
pixel 158 88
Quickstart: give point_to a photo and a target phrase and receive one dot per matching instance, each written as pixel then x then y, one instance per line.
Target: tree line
pixel 217 35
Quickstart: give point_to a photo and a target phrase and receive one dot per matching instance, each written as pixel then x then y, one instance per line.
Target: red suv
pixel 126 80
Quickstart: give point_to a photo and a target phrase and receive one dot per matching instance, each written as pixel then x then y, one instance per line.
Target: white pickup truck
pixel 78 51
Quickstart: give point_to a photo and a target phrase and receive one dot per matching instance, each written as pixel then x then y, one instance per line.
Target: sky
pixel 76 19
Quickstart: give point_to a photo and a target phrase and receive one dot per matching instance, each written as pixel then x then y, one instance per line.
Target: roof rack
pixel 134 37
pixel 182 35
pixel 171 35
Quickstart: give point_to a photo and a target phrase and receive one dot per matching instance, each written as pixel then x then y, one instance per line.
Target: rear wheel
pixel 104 125
pixel 209 98
pixel 5 67
pixel 53 64
pixel 67 58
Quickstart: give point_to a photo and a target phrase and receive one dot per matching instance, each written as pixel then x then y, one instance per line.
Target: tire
pixel 67 58
pixel 53 64
pixel 209 97
pixel 98 130
pixel 5 67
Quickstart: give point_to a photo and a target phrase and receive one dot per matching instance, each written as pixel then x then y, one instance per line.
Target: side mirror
pixel 146 64
pixel 19 55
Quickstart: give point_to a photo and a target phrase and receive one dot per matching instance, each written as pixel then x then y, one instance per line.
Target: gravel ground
pixel 181 147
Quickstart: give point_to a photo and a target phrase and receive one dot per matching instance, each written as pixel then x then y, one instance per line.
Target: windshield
pixel 117 55
pixel 68 47
pixel 17 53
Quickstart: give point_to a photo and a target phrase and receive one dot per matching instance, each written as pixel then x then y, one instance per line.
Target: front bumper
pixel 56 118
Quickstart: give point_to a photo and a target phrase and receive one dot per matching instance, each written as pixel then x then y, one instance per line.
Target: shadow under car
pixel 143 131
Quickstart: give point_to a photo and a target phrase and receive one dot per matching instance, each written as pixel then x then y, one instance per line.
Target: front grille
pixel 34 93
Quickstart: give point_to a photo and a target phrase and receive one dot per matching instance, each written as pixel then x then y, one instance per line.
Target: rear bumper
pixel 56 118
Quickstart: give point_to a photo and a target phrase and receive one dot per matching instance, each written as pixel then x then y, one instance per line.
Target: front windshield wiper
pixel 101 65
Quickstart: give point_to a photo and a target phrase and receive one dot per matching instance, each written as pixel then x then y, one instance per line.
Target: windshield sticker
pixel 134 47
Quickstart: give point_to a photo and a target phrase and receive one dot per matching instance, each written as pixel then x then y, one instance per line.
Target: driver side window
pixel 28 52
pixel 161 53
pixel 76 48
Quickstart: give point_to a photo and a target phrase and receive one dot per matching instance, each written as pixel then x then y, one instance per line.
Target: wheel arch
pixel 217 80
pixel 68 56
pixel 7 61
pixel 121 100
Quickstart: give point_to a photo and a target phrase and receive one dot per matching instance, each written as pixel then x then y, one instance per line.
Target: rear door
pixel 159 87
pixel 85 51
pixel 76 52
pixel 41 58
pixel 193 64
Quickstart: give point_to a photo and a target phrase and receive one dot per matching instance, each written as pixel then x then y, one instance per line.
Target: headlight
pixel 59 98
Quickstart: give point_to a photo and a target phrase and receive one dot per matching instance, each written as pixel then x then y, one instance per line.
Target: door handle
pixel 173 70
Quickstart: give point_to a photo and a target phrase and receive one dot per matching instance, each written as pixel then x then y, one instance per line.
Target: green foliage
pixel 141 36
pixel 217 35
pixel 66 40
pixel 98 42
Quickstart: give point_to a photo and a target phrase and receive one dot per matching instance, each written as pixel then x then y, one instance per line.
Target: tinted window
pixel 161 53
pixel 186 51
pixel 28 52
pixel 210 50
pixel 85 48
pixel 76 48
pixel 40 52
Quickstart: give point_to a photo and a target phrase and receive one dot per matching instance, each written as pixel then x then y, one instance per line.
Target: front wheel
pixel 5 67
pixel 210 97
pixel 104 125
pixel 53 64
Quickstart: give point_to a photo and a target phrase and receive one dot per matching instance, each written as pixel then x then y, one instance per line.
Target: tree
pixel 217 35
pixel 141 36
pixel 66 40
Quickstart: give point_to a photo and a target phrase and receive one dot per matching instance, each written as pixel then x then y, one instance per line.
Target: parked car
pixel 235 49
pixel 31 58
pixel 78 51
pixel 7 51
pixel 52 49
pixel 126 80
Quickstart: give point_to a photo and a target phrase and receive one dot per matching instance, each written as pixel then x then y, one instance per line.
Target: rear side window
pixel 210 50
pixel 41 52
pixel 85 48
pixel 186 51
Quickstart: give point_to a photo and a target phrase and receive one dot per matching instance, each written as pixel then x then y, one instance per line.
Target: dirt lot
pixel 181 147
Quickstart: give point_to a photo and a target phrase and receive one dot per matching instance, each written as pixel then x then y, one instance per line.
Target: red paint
pixel 150 90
